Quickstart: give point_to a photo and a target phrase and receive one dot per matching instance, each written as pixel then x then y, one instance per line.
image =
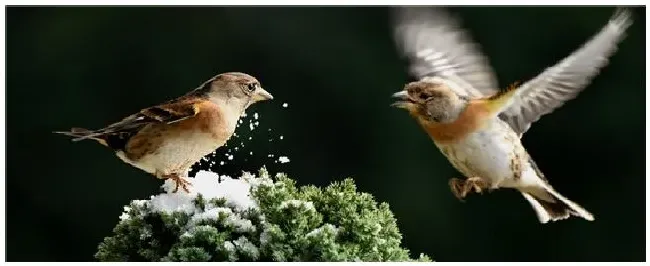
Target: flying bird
pixel 167 139
pixel 475 125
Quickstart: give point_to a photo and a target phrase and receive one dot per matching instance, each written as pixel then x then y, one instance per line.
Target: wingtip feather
pixel 621 19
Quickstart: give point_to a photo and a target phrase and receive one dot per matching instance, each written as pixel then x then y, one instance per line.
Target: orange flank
pixel 209 119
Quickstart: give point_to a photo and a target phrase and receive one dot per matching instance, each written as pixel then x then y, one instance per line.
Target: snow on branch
pixel 254 218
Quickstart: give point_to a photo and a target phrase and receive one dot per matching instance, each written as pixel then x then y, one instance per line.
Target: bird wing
pixel 437 47
pixel 169 112
pixel 563 81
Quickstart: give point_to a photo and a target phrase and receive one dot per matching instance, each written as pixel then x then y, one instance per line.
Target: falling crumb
pixel 249 138
pixel 271 155
pixel 256 116
pixel 230 157
pixel 285 105
pixel 257 123
pixel 251 153
pixel 221 163
pixel 251 126
pixel 283 159
pixel 281 137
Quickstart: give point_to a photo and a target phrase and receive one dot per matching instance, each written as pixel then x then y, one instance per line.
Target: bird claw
pixel 461 188
pixel 457 188
pixel 180 182
pixel 475 183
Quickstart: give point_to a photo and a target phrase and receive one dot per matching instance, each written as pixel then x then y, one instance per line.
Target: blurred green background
pixel 336 67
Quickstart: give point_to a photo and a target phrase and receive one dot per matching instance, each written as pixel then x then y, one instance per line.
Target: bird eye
pixel 251 86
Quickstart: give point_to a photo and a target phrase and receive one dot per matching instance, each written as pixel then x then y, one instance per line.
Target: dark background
pixel 336 67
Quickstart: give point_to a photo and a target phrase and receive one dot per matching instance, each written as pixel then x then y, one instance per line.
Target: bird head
pixel 234 89
pixel 432 101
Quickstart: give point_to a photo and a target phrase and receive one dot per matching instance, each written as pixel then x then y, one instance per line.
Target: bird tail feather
pixel 549 205
pixel 82 133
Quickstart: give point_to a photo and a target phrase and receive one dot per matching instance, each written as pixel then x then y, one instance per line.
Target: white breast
pixel 494 153
pixel 176 155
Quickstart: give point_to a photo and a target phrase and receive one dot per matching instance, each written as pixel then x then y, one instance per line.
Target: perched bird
pixel 477 126
pixel 167 139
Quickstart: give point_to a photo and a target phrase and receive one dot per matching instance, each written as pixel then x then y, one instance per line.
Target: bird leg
pixel 180 182
pixel 461 188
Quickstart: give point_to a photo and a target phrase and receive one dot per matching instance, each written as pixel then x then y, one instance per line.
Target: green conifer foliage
pixel 284 223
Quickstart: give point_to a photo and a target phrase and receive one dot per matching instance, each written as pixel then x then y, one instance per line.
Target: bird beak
pixel 262 95
pixel 402 101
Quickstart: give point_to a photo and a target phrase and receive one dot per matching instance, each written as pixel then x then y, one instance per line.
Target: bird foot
pixel 180 182
pixel 461 188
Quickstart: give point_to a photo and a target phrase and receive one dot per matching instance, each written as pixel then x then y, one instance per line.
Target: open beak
pixel 261 95
pixel 402 100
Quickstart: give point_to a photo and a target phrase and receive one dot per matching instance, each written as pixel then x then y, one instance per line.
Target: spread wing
pixel 436 46
pixel 563 81
pixel 116 135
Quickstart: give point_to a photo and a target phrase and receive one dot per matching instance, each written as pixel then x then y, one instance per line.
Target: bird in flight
pixel 475 125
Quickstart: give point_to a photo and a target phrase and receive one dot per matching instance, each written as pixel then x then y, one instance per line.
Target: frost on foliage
pixel 256 219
